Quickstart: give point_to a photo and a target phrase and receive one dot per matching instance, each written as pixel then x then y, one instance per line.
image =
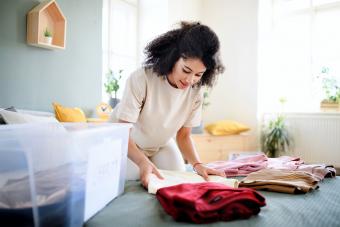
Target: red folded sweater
pixel 208 202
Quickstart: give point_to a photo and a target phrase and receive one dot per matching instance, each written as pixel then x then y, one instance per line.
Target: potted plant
pixel 112 86
pixel 275 138
pixel 331 91
pixel 205 104
pixel 48 36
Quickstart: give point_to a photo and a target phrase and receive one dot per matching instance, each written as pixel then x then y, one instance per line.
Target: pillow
pixel 226 127
pixel 2 121
pixel 20 118
pixel 36 113
pixel 67 114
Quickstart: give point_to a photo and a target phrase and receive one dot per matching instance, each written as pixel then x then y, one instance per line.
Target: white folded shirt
pixel 172 178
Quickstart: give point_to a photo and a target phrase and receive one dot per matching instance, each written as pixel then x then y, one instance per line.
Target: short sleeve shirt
pixel 157 109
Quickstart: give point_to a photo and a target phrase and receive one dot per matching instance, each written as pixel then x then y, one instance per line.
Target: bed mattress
pixel 318 208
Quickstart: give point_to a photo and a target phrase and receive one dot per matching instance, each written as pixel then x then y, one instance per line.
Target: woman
pixel 164 101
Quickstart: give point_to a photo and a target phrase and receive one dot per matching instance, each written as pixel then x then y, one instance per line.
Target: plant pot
pixel 48 40
pixel 113 102
pixel 329 106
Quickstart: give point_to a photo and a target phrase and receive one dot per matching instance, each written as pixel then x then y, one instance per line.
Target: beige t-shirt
pixel 157 109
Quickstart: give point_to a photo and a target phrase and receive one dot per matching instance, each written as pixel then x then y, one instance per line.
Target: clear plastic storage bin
pixel 59 175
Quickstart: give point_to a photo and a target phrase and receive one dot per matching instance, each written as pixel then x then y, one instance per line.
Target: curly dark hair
pixel 191 40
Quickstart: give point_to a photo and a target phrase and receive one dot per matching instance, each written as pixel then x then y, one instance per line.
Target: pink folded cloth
pixel 284 162
pixel 320 171
pixel 241 166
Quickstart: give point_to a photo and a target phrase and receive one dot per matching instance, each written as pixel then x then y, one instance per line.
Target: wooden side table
pixel 213 148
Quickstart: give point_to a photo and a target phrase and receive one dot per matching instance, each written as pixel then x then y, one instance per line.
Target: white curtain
pixel 120 38
pixel 297 38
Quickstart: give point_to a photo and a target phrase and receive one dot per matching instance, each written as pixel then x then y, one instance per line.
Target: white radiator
pixel 316 137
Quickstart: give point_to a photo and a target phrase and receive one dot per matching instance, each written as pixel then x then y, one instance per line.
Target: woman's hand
pixel 145 169
pixel 187 148
pixel 204 171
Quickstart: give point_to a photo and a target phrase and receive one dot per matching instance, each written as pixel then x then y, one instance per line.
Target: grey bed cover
pixel 320 208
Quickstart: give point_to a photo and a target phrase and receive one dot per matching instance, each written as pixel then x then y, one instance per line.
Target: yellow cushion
pixel 67 114
pixel 226 127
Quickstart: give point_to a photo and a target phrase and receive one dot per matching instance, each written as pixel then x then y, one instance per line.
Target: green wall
pixel 32 78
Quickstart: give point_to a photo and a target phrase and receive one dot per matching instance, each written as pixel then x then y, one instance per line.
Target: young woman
pixel 163 100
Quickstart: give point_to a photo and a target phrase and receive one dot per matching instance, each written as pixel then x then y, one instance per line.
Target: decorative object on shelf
pixel 103 110
pixel 45 20
pixel 48 37
pixel 331 91
pixel 326 105
pixel 275 137
pixel 112 86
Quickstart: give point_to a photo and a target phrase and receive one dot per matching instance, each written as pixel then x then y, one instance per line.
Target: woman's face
pixel 186 72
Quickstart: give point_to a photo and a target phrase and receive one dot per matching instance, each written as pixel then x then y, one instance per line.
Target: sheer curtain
pixel 297 38
pixel 120 38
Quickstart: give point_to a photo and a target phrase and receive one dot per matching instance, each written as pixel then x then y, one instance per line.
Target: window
pixel 297 40
pixel 120 26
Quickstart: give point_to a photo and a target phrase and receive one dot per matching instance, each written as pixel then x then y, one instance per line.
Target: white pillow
pixel 20 118
pixel 36 113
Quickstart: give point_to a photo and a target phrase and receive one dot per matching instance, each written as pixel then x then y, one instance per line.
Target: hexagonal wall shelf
pixel 46 16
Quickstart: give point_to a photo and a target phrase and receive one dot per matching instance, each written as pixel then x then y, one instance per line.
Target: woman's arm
pixel 186 145
pixel 187 148
pixel 146 167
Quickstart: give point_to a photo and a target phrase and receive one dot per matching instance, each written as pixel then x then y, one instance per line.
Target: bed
pixel 318 208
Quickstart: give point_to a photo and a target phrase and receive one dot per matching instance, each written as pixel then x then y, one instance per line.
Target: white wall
pixel 235 94
pixel 188 10
pixel 158 16
pixel 32 78
pixel 153 21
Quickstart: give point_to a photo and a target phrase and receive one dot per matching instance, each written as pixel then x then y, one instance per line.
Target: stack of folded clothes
pixel 209 202
pixel 185 198
pixel 287 181
pixel 320 171
pixel 241 166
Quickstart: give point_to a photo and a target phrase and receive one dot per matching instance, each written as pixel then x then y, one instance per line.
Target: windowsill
pixel 319 113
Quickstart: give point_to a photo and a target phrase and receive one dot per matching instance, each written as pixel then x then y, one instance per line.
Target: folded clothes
pixel 320 171
pixel 286 181
pixel 244 165
pixel 50 186
pixel 59 198
pixel 284 162
pixel 179 177
pixel 209 202
pixel 241 166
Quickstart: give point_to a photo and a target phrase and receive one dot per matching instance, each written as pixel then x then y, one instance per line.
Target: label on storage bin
pixel 103 173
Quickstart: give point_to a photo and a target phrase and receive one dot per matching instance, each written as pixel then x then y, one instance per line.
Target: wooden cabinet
pixel 212 148
pixel 46 15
